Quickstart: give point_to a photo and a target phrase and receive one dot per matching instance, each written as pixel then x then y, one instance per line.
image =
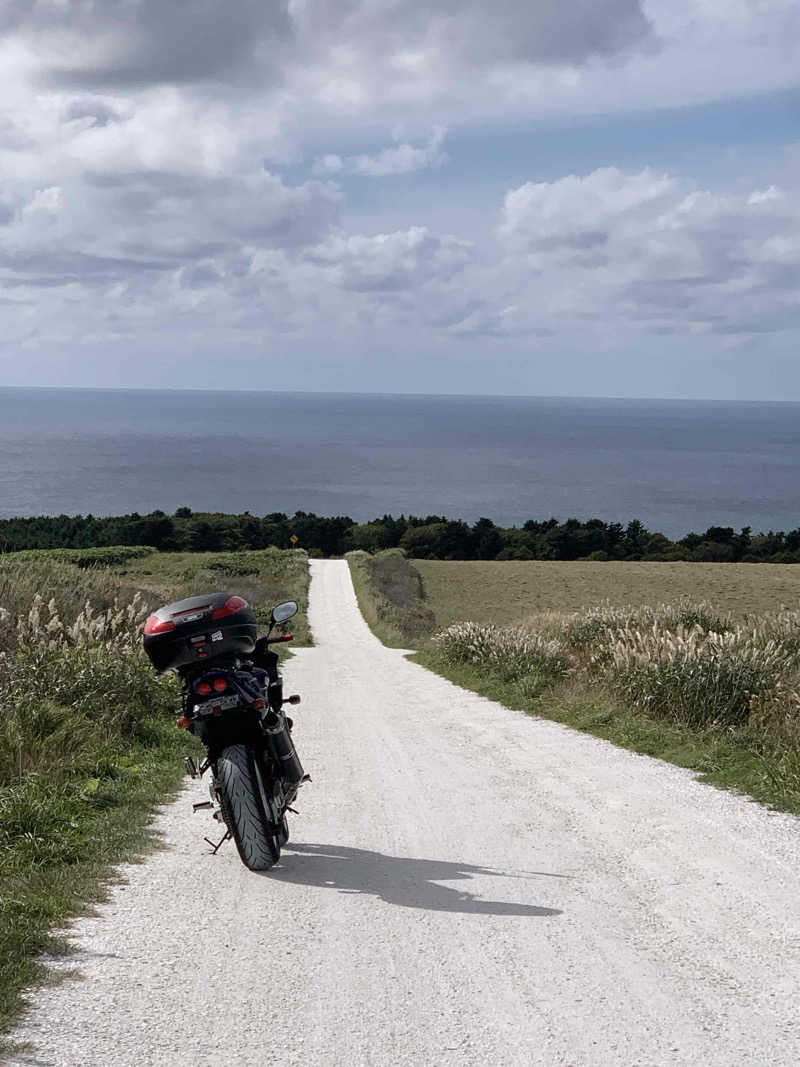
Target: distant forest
pixel 429 537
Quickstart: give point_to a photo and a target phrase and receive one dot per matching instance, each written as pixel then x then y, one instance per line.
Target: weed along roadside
pixel 708 690
pixel 88 744
pixel 390 595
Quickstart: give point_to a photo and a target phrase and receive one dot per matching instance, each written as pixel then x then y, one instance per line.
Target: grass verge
pixel 391 598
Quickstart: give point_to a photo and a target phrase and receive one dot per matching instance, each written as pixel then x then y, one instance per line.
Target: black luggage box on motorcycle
pixel 198 629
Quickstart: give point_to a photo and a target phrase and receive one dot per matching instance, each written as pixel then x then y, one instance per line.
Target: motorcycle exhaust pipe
pixel 291 769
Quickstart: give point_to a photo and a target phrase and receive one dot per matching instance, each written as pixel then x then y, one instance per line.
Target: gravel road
pixel 465 885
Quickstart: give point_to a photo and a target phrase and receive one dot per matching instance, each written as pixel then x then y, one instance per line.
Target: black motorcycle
pixel 232 699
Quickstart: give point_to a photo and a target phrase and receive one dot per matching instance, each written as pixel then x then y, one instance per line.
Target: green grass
pixel 390 595
pixel 87 557
pixel 88 744
pixel 508 593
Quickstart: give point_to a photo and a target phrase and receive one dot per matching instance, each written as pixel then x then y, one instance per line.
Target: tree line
pixel 428 537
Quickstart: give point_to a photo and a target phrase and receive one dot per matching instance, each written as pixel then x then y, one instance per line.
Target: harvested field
pixel 507 593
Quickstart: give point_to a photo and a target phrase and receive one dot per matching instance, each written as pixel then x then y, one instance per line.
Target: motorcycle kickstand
pixel 215 848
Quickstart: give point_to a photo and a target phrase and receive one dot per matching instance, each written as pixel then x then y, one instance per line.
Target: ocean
pixel 676 465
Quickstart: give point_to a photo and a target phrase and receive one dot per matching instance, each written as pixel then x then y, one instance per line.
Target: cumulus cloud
pixel 401 158
pixel 141 145
pixel 640 252
pixel 406 259
pixel 113 232
pixel 580 213
pixel 651 249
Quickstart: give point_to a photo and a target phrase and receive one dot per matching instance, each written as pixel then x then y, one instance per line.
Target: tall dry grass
pixel 73 677
pixel 682 662
pixel 511 654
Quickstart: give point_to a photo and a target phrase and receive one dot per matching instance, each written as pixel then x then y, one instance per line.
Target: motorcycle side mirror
pixel 283 612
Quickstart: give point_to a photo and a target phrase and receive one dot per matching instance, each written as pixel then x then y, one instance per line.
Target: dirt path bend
pixel 466 886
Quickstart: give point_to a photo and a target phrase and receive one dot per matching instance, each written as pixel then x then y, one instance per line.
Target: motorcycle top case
pixel 198 629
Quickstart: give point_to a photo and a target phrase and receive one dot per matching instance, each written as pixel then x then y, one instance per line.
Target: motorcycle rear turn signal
pixel 183 722
pixel 230 607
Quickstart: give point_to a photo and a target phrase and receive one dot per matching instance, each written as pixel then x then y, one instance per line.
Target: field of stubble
pixel 507 593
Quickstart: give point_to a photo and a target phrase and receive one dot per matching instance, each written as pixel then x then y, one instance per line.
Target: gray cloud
pixel 480 32
pixel 122 43
pixel 119 44
pixel 97 110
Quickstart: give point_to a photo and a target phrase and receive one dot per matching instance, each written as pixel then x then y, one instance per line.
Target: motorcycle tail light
pixel 220 685
pixel 154 625
pixel 230 607
pixel 202 689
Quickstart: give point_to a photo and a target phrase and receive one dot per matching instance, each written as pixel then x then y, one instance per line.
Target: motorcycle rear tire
pixel 240 789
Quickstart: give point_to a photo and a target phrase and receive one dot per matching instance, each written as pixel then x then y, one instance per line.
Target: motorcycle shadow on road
pixel 407 882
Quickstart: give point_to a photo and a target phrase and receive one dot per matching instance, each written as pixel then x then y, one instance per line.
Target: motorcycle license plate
pixel 212 705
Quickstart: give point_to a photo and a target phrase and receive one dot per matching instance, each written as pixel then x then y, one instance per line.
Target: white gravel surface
pixel 465 885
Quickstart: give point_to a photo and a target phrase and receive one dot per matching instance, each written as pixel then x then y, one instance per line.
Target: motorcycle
pixel 232 700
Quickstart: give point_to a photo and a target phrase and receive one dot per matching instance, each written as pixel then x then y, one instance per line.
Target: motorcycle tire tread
pixel 243 810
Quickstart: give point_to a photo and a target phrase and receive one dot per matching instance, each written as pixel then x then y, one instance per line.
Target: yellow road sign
pixel 294 539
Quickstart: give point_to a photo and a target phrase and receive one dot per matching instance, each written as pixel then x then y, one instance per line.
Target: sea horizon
pixel 394 393
pixel 675 464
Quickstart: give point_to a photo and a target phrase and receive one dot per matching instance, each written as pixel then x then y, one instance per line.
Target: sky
pixel 567 197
